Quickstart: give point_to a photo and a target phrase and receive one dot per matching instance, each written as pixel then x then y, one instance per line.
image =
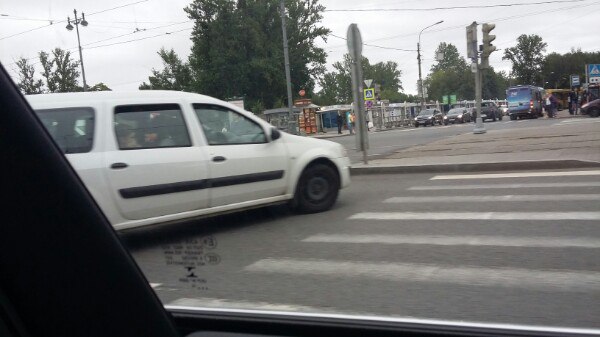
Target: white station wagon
pixel 152 157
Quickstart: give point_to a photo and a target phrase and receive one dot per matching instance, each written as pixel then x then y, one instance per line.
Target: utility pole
pixel 354 41
pixel 69 27
pixel 288 78
pixel 421 90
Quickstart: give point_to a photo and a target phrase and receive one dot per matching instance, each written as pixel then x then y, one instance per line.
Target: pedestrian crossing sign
pixel 369 94
pixel 594 70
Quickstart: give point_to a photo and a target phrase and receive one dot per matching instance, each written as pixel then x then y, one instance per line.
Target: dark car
pixel 429 117
pixel 489 110
pixel 457 115
pixel 591 108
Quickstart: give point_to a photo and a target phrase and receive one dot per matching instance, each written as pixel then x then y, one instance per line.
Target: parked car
pixel 503 106
pixel 429 117
pixel 163 156
pixel 591 108
pixel 489 110
pixel 457 115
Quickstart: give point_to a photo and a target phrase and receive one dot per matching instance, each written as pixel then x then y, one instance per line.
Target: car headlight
pixel 415 119
pixel 429 117
pixel 459 116
pixel 445 117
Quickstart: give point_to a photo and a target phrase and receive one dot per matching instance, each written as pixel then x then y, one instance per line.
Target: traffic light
pixel 488 47
pixel 472 41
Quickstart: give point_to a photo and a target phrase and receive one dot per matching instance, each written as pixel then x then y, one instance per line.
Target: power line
pixel 451 7
pixel 140 39
pixel 376 46
pixel 62 21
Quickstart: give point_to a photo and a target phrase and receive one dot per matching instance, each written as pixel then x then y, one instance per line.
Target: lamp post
pixel 69 27
pixel 419 58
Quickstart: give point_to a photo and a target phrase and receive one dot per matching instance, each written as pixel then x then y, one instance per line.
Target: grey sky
pixel 124 66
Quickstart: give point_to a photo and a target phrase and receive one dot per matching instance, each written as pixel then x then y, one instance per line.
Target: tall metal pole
pixel 479 128
pixel 286 56
pixel 420 79
pixel 80 54
pixel 419 58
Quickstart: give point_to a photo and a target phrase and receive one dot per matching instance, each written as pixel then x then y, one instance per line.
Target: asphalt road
pixel 386 142
pixel 520 250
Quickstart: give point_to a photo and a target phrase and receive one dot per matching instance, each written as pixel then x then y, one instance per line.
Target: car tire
pixel 513 117
pixel 317 189
pixel 494 118
pixel 500 118
pixel 594 112
pixel 416 125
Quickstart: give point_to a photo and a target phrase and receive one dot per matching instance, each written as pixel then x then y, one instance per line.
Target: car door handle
pixel 117 166
pixel 219 159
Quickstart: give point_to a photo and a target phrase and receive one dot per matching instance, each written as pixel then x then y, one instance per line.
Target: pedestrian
pixel 553 105
pixel 353 120
pixel 340 122
pixel 573 102
pixel 548 106
pixel 350 121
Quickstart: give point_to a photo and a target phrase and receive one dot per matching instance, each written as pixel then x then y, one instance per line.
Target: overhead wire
pixel 452 7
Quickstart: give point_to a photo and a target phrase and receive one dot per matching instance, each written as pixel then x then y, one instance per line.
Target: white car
pixel 152 157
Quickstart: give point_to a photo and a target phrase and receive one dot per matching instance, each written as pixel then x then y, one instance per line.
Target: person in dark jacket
pixel 340 122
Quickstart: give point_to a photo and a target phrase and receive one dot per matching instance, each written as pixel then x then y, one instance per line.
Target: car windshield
pixel 296 155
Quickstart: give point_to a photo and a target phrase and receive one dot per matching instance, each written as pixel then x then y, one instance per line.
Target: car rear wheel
pixel 595 112
pixel 513 117
pixel 317 189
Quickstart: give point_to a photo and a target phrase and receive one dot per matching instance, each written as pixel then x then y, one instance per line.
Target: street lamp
pixel 419 58
pixel 69 27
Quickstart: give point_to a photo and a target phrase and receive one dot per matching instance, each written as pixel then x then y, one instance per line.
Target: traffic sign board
pixel 369 94
pixel 452 99
pixel 594 70
pixel 445 99
pixel 368 83
pixel 369 104
pixel 575 80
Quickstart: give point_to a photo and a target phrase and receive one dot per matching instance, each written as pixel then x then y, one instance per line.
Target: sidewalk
pixel 569 143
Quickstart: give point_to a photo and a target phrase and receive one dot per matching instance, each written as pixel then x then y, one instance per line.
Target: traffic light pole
pixel 479 128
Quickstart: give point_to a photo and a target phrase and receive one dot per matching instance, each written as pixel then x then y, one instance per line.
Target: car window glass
pixel 225 127
pixel 150 126
pixel 71 128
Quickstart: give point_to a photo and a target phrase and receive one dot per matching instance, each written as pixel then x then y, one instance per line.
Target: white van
pixel 152 157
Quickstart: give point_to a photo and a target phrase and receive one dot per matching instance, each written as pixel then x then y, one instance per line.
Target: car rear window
pixel 72 129
pixel 147 126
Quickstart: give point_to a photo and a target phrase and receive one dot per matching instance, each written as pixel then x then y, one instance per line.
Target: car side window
pixel 223 126
pixel 71 128
pixel 147 126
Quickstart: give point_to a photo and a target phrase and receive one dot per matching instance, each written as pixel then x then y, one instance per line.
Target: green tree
pixel 451 58
pixel 99 87
pixel 336 86
pixel 558 68
pixel 60 71
pixel 27 79
pixel 176 75
pixel 237 48
pixel 527 58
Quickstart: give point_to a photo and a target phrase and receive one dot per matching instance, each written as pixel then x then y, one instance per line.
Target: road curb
pixel 476 167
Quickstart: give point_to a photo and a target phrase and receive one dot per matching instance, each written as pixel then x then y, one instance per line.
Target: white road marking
pixel 518 175
pixel 155 285
pixel 442 240
pixel 503 186
pixel 240 304
pixel 491 198
pixel 422 273
pixel 476 216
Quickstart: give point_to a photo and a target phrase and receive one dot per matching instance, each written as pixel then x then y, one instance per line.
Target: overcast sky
pixel 123 66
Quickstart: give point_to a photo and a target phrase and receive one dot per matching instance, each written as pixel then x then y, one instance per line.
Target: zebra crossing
pixel 453 198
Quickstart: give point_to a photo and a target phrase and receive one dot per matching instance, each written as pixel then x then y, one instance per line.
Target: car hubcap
pixel 317 188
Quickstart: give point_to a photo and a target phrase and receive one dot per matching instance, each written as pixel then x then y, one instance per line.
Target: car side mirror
pixel 275 134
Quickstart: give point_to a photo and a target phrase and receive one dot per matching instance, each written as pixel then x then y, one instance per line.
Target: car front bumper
pixel 343 165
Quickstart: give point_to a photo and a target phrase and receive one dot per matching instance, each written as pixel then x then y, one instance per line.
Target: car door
pixel 244 165
pixel 153 168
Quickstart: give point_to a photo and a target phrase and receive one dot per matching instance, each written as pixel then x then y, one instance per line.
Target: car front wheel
pixel 317 189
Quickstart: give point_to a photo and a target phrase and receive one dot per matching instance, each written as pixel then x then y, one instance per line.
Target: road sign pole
pixel 355 49
pixel 479 128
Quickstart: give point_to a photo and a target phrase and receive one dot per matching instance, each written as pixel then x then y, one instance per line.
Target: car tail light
pixel 531 104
